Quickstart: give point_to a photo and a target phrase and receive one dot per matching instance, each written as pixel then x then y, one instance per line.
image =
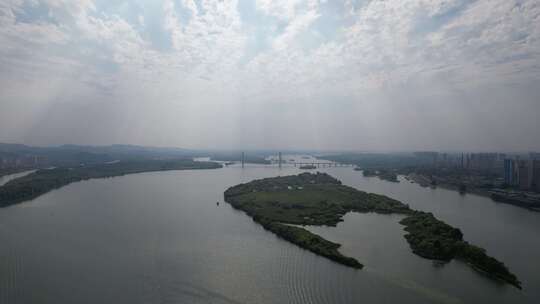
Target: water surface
pixel 159 237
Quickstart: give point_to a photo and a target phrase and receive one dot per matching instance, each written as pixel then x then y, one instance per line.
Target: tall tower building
pixel 509 171
pixel 535 175
pixel 523 175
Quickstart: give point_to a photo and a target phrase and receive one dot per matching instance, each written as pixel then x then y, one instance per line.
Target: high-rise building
pixel 535 180
pixel 534 155
pixel 484 161
pixel 509 171
pixel 524 178
pixel 428 156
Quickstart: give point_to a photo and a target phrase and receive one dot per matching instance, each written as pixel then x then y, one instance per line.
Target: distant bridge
pixel 317 164
pixel 321 164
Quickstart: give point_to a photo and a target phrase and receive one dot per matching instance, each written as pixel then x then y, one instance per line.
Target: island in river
pixel 386 175
pixel 42 181
pixel 281 204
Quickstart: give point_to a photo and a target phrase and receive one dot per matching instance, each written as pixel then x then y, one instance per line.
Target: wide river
pixel 159 237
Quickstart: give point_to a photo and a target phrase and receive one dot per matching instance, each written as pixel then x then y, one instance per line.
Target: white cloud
pixel 435 47
pixel 295 27
pixel 283 9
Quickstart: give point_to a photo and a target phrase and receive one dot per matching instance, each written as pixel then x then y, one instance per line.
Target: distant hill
pixel 68 155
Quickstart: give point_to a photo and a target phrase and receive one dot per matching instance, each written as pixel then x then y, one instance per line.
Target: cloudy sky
pixel 364 75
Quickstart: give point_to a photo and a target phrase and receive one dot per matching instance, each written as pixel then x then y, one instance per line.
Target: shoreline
pixel 422 181
pixel 37 183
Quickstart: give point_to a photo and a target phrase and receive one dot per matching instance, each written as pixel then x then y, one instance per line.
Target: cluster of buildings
pixel 469 161
pixel 21 161
pixel 523 173
pixel 519 171
pixel 485 161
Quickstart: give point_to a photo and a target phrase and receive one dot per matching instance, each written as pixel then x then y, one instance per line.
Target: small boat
pixel 217 203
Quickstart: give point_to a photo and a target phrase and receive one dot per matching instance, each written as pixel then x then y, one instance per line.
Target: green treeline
pixel 434 239
pixel 383 174
pixel 309 241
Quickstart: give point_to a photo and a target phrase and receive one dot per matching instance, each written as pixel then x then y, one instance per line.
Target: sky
pixel 369 75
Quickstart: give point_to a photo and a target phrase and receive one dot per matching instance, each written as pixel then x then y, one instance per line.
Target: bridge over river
pixel 320 164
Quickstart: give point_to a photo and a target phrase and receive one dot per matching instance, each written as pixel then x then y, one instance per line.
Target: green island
pixel 281 204
pixel 381 173
pixel 44 180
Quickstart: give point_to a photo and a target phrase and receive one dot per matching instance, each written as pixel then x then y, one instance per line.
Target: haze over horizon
pixel 302 74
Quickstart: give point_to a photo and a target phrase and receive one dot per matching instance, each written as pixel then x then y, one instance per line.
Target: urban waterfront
pixel 160 237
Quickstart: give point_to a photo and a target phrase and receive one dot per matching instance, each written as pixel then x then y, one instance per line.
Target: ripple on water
pixel 48 252
pixel 10 276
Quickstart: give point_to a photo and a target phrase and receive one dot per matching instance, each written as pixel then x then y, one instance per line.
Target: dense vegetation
pixel 43 181
pixel 383 174
pixel 309 241
pixel 306 199
pixel 319 199
pixel 434 239
pixel 431 238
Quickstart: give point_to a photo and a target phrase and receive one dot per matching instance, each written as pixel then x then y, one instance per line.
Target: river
pixel 159 237
pixel 6 178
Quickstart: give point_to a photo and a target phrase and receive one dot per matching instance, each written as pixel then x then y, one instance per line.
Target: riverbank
pixel 381 174
pixel 516 198
pixel 319 199
pixel 42 181
pixel 425 181
pixel 10 171
pixel 7 178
